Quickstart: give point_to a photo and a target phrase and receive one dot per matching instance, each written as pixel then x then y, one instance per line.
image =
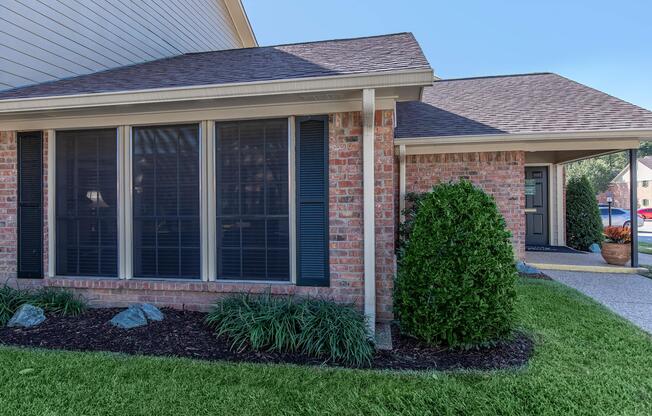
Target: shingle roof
pixel 646 160
pixel 530 103
pixel 301 60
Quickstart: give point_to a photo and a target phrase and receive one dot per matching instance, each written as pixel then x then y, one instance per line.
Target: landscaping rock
pixel 525 268
pixel 27 316
pixel 595 248
pixel 152 313
pixel 132 317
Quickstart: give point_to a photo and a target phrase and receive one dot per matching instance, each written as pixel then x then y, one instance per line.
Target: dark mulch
pixel 184 334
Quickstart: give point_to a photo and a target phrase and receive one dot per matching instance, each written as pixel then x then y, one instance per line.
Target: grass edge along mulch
pixel 588 361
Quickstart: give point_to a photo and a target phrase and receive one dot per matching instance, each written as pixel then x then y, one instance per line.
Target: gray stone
pixel 594 248
pixel 27 316
pixel 152 313
pixel 132 317
pixel 525 268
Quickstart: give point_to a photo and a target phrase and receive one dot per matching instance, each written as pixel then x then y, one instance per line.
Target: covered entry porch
pixel 545 207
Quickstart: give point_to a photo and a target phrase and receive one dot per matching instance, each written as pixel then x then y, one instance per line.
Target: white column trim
pixel 203 203
pixel 52 221
pixel 368 116
pixel 127 203
pixel 211 222
pixel 292 198
pixel 402 181
pixel 121 133
pixel 559 191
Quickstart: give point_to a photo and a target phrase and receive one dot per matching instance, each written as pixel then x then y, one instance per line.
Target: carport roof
pixel 515 104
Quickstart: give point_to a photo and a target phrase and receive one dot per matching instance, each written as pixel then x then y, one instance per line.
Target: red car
pixel 645 213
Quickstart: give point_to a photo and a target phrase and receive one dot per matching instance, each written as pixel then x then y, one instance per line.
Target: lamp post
pixel 610 201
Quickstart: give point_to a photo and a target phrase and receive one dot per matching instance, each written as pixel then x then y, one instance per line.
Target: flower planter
pixel 617 254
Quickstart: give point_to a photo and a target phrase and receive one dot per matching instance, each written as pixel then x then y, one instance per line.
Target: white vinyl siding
pixel 45 40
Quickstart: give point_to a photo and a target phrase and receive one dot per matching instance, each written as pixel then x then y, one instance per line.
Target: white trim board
pixel 402 78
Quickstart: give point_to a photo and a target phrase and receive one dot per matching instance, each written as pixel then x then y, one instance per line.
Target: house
pixel 45 41
pixel 279 168
pixel 618 189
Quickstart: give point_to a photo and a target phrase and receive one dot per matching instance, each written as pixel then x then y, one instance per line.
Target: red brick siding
pixel 385 189
pixel 501 174
pixel 345 229
pixel 8 197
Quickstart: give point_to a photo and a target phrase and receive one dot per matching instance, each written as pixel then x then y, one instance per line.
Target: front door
pixel 536 206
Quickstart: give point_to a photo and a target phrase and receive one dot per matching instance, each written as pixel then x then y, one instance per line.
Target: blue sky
pixel 604 44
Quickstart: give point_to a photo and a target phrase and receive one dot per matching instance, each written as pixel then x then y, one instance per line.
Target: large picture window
pixel 86 203
pixel 252 200
pixel 166 231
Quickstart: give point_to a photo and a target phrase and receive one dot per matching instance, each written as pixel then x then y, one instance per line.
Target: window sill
pixel 180 285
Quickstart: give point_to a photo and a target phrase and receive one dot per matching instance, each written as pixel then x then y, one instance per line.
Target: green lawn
pixel 644 247
pixel 588 361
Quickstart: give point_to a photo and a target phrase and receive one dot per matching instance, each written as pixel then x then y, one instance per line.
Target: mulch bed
pixel 184 334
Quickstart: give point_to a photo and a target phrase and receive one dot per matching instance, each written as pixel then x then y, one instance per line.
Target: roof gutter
pixel 642 134
pixel 401 78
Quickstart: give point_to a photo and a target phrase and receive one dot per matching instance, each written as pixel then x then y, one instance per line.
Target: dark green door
pixel 536 206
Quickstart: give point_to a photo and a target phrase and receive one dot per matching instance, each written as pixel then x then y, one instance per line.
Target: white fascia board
pixel 642 134
pixel 401 78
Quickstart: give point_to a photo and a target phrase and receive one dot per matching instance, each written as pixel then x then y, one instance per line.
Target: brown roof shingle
pixel 530 103
pixel 302 60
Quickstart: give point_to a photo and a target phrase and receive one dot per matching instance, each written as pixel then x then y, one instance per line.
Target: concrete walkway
pixel 628 295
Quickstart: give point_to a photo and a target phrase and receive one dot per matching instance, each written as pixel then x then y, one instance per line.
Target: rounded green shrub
pixel 457 273
pixel 583 222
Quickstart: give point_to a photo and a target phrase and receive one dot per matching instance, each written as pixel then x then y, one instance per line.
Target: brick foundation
pixel 501 174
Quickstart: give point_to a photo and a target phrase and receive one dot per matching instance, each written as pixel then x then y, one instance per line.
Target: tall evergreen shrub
pixel 583 221
pixel 456 278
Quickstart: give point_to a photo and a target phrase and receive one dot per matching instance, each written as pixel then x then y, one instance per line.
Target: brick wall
pixel 501 174
pixel 8 194
pixel 345 229
pixel 385 188
pixel 9 203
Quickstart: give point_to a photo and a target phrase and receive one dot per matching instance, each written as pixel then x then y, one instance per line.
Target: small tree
pixel 456 276
pixel 583 222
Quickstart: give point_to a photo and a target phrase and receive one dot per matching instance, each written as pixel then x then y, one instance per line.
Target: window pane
pixel 86 203
pixel 166 201
pixel 252 200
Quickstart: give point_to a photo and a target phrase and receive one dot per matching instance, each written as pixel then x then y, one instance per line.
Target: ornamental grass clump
pixel 456 277
pixel 318 328
pixel 51 300
pixel 58 301
pixel 10 300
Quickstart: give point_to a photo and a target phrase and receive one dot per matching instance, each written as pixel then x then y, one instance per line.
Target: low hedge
pixel 319 328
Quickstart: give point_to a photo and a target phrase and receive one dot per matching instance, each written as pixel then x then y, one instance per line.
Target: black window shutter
pixel 30 205
pixel 312 201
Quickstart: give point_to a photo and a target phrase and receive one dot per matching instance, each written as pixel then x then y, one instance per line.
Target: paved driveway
pixel 628 295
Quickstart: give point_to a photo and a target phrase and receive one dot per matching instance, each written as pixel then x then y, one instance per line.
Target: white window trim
pixel 208 193
pixel 52 219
